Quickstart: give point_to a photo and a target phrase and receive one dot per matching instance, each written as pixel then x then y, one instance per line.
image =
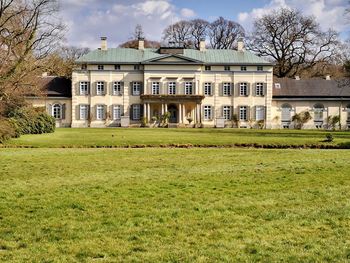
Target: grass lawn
pixel 121 137
pixel 173 205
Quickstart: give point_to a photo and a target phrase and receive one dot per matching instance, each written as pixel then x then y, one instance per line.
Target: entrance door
pixel 173 113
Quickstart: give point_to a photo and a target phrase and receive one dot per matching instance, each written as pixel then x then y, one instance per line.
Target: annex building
pixel 114 87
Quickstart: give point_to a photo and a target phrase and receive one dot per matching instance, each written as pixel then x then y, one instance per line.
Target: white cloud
pixel 186 12
pixel 328 13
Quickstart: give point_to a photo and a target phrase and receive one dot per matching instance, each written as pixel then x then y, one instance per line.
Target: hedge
pixel 7 130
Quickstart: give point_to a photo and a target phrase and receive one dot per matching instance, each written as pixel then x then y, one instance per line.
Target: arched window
pixel 318 115
pixel 57 111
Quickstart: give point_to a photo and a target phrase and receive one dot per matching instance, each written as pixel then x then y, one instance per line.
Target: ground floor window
pixel 100 112
pixel 226 112
pixel 208 114
pixel 243 113
pixel 136 111
pixel 57 111
pixel 84 109
pixel 116 112
pixel 318 115
pixel 259 113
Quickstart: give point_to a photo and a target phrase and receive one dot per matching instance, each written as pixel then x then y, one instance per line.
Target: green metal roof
pixel 210 56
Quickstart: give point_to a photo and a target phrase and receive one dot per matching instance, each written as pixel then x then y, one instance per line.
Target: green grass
pixel 173 205
pixel 122 137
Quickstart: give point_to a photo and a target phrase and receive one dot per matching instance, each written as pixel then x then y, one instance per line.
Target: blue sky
pixel 87 20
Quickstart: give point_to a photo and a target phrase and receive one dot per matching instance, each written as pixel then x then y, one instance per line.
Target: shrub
pixel 301 118
pixel 7 130
pixel 332 121
pixel 329 137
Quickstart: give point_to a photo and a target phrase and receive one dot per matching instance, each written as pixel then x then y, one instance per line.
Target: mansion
pixel 113 87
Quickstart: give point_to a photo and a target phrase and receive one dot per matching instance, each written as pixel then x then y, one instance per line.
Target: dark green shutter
pixel 63 111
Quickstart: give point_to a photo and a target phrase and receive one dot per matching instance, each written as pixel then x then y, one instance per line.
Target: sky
pixel 87 20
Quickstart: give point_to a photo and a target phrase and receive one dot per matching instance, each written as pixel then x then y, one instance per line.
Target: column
pixel 162 109
pixel 180 113
pixel 145 110
pixel 183 113
pixel 165 108
pixel 149 111
pixel 197 114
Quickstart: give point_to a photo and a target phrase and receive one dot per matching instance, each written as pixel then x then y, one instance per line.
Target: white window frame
pixel 260 68
pixel 172 88
pixel 117 113
pixel 243 68
pixel 155 88
pixel 136 112
pixel 100 88
pixel 226 89
pixel 100 67
pixel 188 88
pixel 83 111
pixel 207 68
pixel 208 88
pixel 136 88
pixel 100 112
pixel 56 111
pixel 84 88
pixel 227 68
pixel 259 89
pixel 259 113
pixel 243 89
pixel 208 112
pixel 243 113
pixel 117 88
pixel 226 112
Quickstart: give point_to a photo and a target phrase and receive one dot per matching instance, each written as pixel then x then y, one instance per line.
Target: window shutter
pixel 93 113
pixel 230 91
pixel 161 91
pixel 194 87
pixel 203 88
pixel 105 88
pixel 63 111
pixel 111 88
pixel 238 89
pixel 141 88
pixel 121 87
pixel 89 89
pixel 77 88
pixel 105 111
pixel 264 89
pixel 121 110
pixel 232 112
pixel 141 111
pixel 221 89
pixel 132 112
pixel 254 89
pixel 111 113
pixel 248 89
pixel 253 113
pixel 88 112
pixel 77 112
pixel 130 88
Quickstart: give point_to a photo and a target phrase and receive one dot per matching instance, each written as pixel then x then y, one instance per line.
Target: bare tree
pixel 223 33
pixel 134 44
pixel 294 41
pixel 199 31
pixel 28 33
pixel 138 33
pixel 179 33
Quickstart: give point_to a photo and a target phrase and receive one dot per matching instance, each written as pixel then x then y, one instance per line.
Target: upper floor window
pixel 83 67
pixel 136 88
pixel 227 68
pixel 155 88
pixel 226 89
pixel 188 88
pixel 117 88
pixel 100 88
pixel 100 67
pixel 226 112
pixel 172 88
pixel 136 67
pixel 83 112
pixel 117 67
pixel 259 68
pixel 259 89
pixel 207 89
pixel 57 111
pixel 116 112
pixel 100 112
pixel 243 89
pixel 243 68
pixel 84 88
pixel 208 115
pixel 207 68
pixel 243 113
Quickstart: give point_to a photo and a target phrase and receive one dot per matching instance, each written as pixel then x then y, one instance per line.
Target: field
pixel 125 137
pixel 170 204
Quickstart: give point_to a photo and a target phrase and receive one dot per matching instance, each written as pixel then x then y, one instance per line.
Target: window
pixel 259 68
pixel 226 89
pixel 136 67
pixel 348 113
pixel 117 88
pixel 116 112
pixel 227 68
pixel 57 111
pixel 208 113
pixel 84 88
pixel 136 111
pixel 207 68
pixel 243 68
pixel 136 88
pixel 100 112
pixel 100 67
pixel 243 113
pixel 188 88
pixel 259 89
pixel 226 112
pixel 172 88
pixel 318 115
pixel 100 88
pixel 286 115
pixel 243 89
pixel 207 89
pixel 155 88
pixel 259 113
pixel 117 67
pixel 83 112
pixel 83 67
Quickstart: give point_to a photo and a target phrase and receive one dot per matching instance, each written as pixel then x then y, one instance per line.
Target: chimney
pixel 297 77
pixel 104 43
pixel 328 77
pixel 44 74
pixel 141 44
pixel 240 44
pixel 202 45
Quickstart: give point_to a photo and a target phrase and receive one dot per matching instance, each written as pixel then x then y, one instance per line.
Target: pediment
pixel 172 59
